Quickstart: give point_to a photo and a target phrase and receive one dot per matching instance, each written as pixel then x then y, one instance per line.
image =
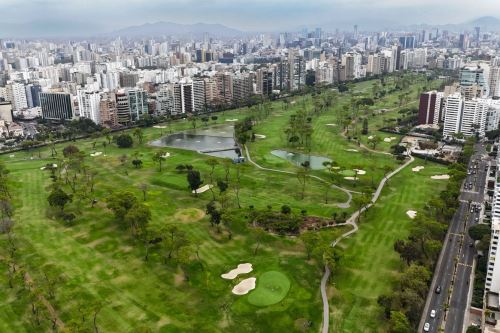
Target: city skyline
pixel 47 18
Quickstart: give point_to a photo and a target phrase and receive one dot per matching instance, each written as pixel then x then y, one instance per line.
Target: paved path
pixel 352 221
pixel 346 191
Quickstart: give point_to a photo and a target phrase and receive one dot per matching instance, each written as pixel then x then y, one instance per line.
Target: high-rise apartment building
pixel 89 105
pixel 16 94
pixel 137 103
pixel 108 110
pixel 57 106
pixel 429 111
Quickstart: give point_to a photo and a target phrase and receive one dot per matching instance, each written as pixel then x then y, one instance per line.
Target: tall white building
pixel 493 271
pixel 16 94
pixel 468 117
pixel 88 103
pixel 453 114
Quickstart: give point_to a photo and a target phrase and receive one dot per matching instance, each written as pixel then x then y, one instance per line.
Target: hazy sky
pixel 95 16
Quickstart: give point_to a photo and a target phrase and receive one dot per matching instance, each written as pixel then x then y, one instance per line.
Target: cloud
pixel 253 15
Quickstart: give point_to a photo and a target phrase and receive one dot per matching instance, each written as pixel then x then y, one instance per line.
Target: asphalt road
pixel 457 246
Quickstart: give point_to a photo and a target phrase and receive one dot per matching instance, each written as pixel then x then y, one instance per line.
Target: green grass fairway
pixel 96 260
pixel 370 266
pixel 271 288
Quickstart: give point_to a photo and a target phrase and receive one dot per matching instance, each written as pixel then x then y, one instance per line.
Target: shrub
pixel 124 141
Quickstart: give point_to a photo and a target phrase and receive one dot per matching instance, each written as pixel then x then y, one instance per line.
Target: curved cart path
pixel 346 191
pixel 352 221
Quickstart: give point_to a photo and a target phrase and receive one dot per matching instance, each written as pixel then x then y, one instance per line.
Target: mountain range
pixel 177 29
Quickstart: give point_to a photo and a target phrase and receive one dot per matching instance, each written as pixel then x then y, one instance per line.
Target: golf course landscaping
pixel 124 239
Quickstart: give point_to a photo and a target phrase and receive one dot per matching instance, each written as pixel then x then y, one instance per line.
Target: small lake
pixel 203 140
pixel 316 162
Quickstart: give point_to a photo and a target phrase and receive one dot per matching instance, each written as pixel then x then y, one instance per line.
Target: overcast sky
pixel 250 15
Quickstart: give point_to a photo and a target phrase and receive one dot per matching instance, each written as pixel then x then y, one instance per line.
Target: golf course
pixel 83 264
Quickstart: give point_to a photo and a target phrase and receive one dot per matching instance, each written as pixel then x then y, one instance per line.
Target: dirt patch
pixel 189 215
pixel 178 279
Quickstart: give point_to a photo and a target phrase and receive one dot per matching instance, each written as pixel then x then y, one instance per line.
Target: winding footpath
pixel 352 221
pixel 346 191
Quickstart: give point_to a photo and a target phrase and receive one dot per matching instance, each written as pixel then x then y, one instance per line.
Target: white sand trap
pixel 241 269
pixel 441 177
pixel 417 168
pixel 387 140
pixel 166 155
pixel 161 127
pixel 393 138
pixel 260 136
pixel 352 150
pixel 370 137
pixel 12 155
pixel 350 178
pixel 360 172
pixel 292 102
pixel 42 168
pixel 232 120
pixel 411 214
pixel 244 286
pixel 198 141
pixel 331 124
pixel 203 189
pixel 178 139
pixel 97 153
pixel 335 168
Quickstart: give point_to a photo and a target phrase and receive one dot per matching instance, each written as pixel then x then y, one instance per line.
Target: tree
pixel 124 141
pixel 473 329
pixel 212 163
pixel 58 198
pixel 365 127
pixel 222 185
pixel 137 163
pixel 159 157
pixel 286 210
pixel 375 141
pixel 138 217
pixel 120 203
pixel 399 323
pixel 144 189
pixel 194 180
pixel 310 240
pixel 213 210
pixel 70 150
pixel 478 231
pixel 139 134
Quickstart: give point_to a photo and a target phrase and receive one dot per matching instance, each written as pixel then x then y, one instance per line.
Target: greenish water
pixel 316 162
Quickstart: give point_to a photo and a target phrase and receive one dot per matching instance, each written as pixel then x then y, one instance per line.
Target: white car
pixel 427 327
pixel 433 313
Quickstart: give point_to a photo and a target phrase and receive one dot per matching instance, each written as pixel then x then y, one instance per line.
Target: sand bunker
pixel 161 127
pixel 411 214
pixel 441 177
pixel 166 155
pixel 417 168
pixel 352 150
pixel 241 269
pixel 292 102
pixel 97 153
pixel 370 137
pixel 244 286
pixel 331 124
pixel 335 168
pixel 53 166
pixel 12 155
pixel 232 120
pixel 350 178
pixel 392 138
pixel 260 136
pixel 360 172
pixel 203 189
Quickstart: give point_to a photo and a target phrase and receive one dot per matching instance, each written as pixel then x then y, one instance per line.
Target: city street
pixel 457 246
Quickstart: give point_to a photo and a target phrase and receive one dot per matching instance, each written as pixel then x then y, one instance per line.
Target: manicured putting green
pixel 348 173
pixel 272 287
